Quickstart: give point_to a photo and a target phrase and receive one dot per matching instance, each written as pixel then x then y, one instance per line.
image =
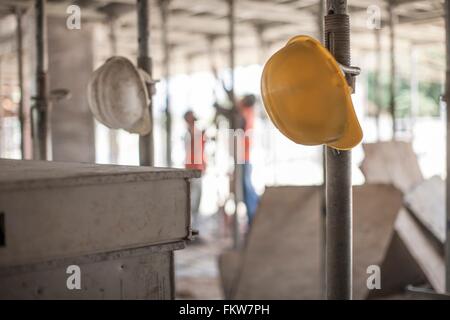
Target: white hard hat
pixel 118 97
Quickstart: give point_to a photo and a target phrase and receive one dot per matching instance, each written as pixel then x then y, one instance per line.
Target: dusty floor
pixel 196 268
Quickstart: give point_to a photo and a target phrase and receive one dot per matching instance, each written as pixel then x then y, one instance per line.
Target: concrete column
pixel 70 67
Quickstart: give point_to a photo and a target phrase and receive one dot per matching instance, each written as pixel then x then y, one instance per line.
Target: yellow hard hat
pixel 307 97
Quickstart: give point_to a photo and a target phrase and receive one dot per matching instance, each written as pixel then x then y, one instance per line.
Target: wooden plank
pixel 282 256
pixel 391 162
pixel 428 257
pixel 427 203
pixel 229 267
pixel 281 259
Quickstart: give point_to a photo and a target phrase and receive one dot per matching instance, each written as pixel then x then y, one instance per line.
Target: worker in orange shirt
pixel 195 159
pixel 246 108
pixel 245 115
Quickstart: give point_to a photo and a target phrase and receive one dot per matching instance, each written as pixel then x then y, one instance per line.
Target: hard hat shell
pixel 307 97
pixel 118 98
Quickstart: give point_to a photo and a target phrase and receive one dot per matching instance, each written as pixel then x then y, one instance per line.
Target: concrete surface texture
pixel 74 209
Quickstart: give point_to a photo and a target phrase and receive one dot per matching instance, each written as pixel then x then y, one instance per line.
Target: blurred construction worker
pixel 244 119
pixel 195 159
pixel 246 108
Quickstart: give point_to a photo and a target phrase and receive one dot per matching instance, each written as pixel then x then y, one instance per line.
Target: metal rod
pixel 164 6
pixel 237 175
pixel 392 105
pixel 320 26
pixel 338 173
pixel 20 77
pixel 323 207
pixel 414 89
pixel 377 84
pixel 112 133
pixel 447 98
pixel 146 148
pixel 41 109
pixel 262 45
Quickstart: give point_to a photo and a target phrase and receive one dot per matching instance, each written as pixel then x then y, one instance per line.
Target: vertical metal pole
pixel 20 77
pixel 146 149
pixel 237 176
pixel 262 46
pixel 113 143
pixel 41 109
pixel 393 79
pixel 338 173
pixel 414 89
pixel 447 98
pixel 164 6
pixel 1 107
pixel 377 84
pixel 323 208
pixel 320 25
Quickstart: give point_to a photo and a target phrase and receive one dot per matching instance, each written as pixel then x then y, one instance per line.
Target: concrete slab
pixel 54 210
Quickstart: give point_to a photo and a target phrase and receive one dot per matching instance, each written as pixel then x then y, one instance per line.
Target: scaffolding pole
pixel 392 105
pixel 377 85
pixel 146 148
pixel 113 133
pixel 323 210
pixel 447 98
pixel 164 7
pixel 41 109
pixel 262 44
pixel 338 173
pixel 20 78
pixel 237 174
pixel 414 89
